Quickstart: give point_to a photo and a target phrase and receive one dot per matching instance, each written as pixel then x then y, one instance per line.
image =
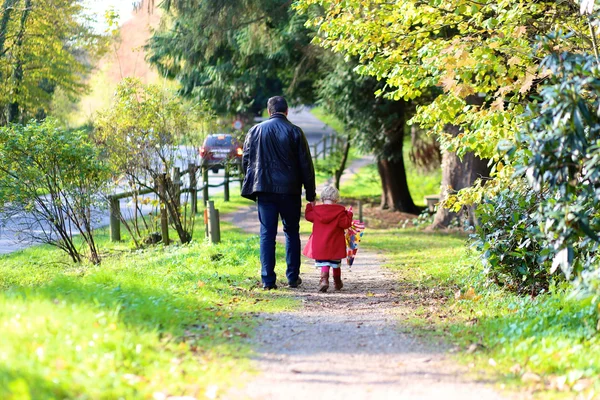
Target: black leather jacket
pixel 277 160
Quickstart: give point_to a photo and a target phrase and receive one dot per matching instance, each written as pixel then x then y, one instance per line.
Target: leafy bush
pixel 562 157
pixel 50 184
pixel 513 250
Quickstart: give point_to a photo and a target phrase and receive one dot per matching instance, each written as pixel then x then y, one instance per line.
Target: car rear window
pixel 219 141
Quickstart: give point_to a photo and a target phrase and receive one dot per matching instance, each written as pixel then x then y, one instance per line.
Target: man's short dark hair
pixel 277 104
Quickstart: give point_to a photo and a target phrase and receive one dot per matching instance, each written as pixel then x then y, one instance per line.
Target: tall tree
pixel 461 46
pixel 379 125
pixel 235 53
pixel 43 45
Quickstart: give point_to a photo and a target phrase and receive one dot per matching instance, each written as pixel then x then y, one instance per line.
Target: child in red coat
pixel 327 243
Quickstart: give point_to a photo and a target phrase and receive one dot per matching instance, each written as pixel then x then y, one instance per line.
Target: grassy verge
pixel 159 320
pixel 325 169
pixel 366 184
pixel 548 345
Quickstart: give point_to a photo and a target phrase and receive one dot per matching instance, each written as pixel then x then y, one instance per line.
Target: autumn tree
pixel 44 45
pixel 468 49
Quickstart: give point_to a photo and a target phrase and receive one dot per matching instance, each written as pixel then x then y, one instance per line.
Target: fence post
pixel 204 184
pixel 226 187
pixel 115 219
pixel 164 217
pixel 193 188
pixel 324 146
pixel 315 150
pixel 214 228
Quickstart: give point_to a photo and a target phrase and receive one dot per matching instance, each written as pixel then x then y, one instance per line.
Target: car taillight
pixel 240 151
pixel 202 151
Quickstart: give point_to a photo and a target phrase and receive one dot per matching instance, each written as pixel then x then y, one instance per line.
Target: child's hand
pixel 350 208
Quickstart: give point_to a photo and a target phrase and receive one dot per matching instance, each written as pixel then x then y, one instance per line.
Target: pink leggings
pixel 337 272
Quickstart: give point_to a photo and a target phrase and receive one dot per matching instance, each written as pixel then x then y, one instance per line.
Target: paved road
pixel 313 129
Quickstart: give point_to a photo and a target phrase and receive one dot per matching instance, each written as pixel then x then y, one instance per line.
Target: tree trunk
pixel 340 170
pixel 7 9
pixel 458 174
pixel 395 193
pixel 13 107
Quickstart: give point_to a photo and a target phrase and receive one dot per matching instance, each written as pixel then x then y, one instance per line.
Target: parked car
pixel 218 149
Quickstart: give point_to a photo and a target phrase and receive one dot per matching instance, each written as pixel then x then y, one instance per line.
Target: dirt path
pixel 348 344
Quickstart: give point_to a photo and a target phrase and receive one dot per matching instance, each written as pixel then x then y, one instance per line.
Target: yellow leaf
pixel 464 90
pixel 498 104
pixel 520 31
pixel 503 90
pixel 448 83
pixel 470 294
pixel 527 82
pixel 514 60
pixel 464 59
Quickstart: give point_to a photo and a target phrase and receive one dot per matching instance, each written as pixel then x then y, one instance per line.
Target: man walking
pixel 277 164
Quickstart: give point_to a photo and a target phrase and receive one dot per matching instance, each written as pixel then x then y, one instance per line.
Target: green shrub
pixel 51 181
pixel 512 249
pixel 562 157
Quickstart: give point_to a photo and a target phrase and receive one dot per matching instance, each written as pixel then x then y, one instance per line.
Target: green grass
pixel 517 340
pixel 367 184
pixel 158 320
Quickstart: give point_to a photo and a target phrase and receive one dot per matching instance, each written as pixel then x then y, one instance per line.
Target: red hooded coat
pixel 327 241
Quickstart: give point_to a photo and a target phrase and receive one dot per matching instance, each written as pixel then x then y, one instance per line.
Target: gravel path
pixel 349 344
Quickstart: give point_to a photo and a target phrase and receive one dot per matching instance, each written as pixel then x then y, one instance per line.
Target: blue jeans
pixel 270 207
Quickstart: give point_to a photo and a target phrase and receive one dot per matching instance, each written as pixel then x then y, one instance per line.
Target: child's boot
pixel 337 279
pixel 324 282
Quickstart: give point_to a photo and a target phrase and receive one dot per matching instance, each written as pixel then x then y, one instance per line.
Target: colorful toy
pixel 353 238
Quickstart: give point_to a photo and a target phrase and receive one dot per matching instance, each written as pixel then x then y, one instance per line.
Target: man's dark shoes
pixel 270 287
pixel 296 283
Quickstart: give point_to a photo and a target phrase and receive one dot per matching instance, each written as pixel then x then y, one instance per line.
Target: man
pixel 277 164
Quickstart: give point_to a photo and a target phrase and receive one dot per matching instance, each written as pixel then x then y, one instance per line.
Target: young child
pixel 327 243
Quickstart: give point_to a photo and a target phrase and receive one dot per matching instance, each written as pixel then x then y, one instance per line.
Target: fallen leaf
pixel 472 348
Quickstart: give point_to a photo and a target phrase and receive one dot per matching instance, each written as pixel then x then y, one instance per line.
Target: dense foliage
pixel 235 54
pixel 562 157
pixel 513 251
pixel 50 183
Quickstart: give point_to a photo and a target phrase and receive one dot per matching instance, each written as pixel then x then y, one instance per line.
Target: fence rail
pixel 176 175
pixel 327 145
pixel 321 149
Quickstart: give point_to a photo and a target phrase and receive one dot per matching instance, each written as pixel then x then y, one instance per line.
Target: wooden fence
pixel 193 189
pixel 321 149
pixel 328 145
